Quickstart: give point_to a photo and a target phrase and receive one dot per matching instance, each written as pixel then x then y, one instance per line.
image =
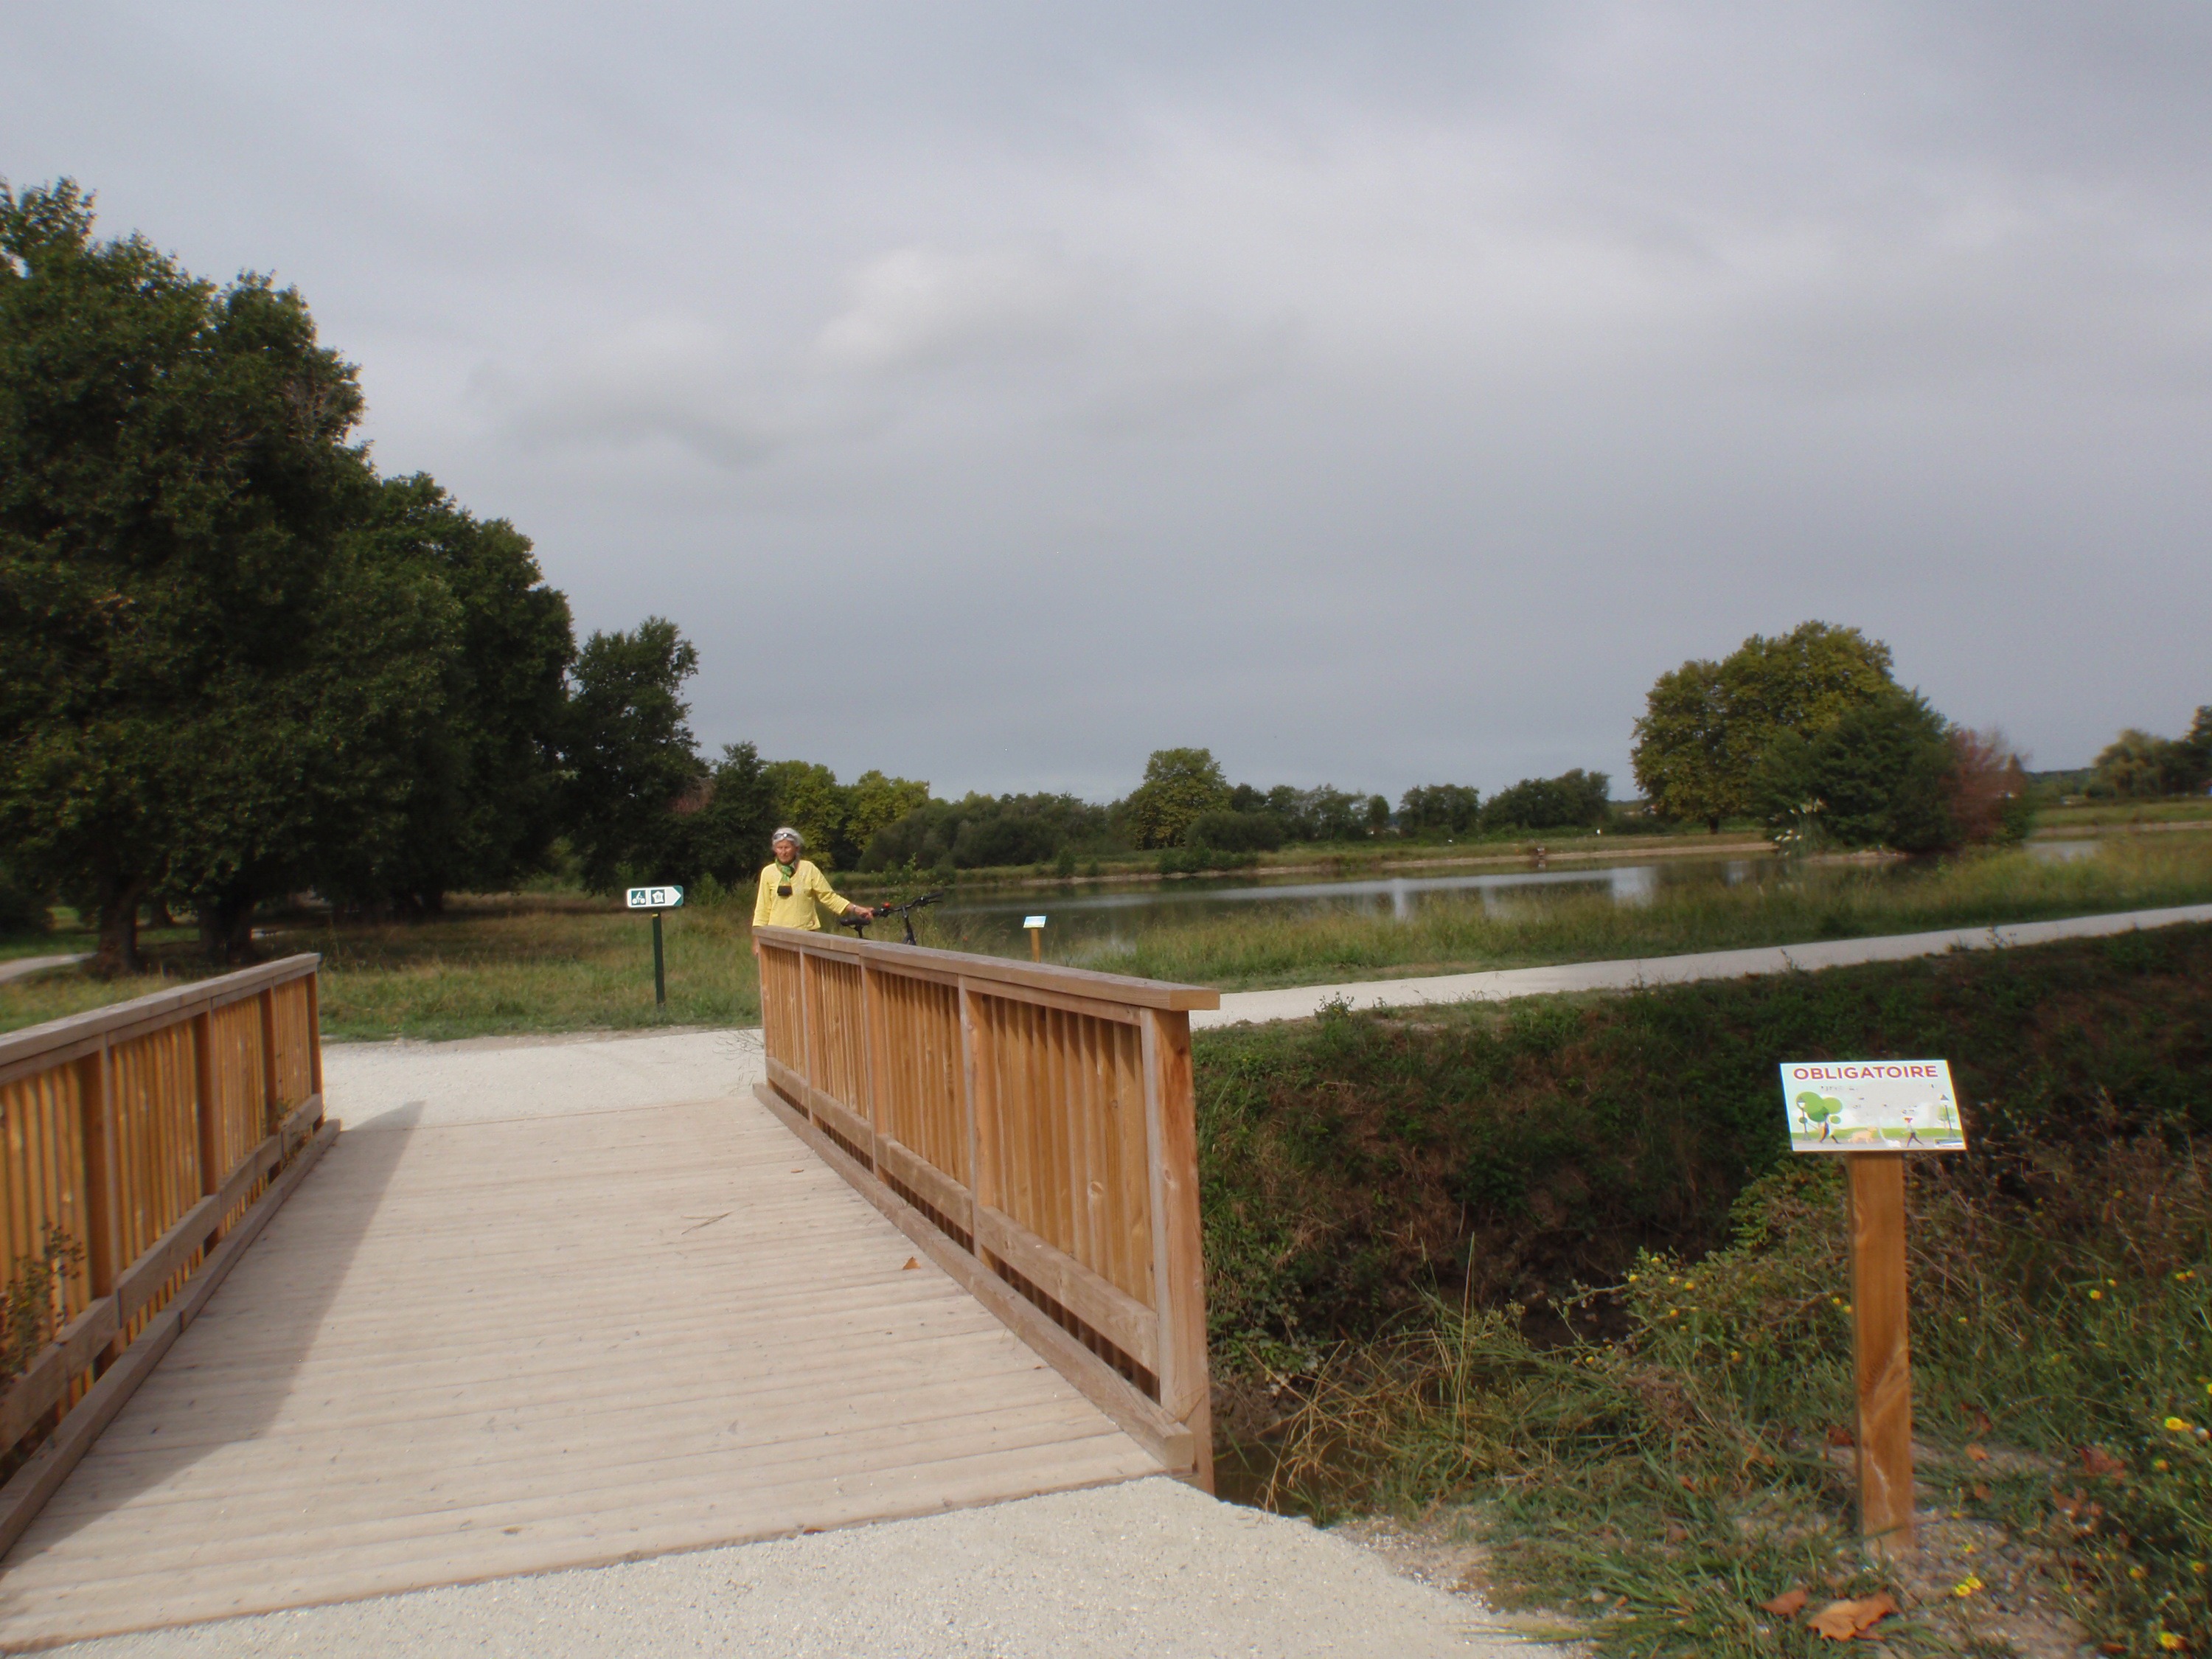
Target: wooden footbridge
pixel 950 1255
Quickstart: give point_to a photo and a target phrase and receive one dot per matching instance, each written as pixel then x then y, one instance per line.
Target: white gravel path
pixel 24 967
pixel 1306 1000
pixel 1150 1567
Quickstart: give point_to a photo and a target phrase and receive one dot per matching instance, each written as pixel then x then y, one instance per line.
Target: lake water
pixel 1082 919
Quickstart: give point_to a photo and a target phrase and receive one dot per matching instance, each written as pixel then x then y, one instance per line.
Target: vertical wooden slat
pixel 1179 1257
pixel 314 982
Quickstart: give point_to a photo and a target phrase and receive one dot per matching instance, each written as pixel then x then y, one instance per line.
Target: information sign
pixel 1871 1106
pixel 1032 921
pixel 656 898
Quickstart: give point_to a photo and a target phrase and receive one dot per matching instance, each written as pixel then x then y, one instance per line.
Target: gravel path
pixel 1150 1567
pixel 1305 1000
pixel 24 967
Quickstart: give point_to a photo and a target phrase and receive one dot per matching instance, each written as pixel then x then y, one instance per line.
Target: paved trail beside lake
pixel 1303 1001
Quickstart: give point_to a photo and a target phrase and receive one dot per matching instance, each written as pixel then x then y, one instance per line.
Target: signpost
pixel 1036 925
pixel 657 899
pixel 1874 1112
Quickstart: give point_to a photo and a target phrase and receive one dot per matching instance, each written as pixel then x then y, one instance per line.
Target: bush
pixel 1882 776
pixel 1575 799
pixel 1228 831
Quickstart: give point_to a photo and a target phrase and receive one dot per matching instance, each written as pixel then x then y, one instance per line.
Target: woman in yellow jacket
pixel 792 888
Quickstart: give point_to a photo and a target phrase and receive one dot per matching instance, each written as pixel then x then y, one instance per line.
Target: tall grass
pixel 1449 933
pixel 1683 1473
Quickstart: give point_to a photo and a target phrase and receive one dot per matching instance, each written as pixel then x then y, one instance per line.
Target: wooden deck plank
pixel 498 1347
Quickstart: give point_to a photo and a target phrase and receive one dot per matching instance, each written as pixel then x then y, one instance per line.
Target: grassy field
pixel 537 963
pixel 1548 1275
pixel 564 963
pixel 1820 902
pixel 2119 814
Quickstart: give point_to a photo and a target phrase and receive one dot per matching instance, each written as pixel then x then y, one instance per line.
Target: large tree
pixel 1707 725
pixel 631 757
pixel 206 687
pixel 1883 776
pixel 1180 786
pixel 484 804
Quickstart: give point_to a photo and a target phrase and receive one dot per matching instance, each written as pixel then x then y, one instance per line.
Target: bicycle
pixel 903 912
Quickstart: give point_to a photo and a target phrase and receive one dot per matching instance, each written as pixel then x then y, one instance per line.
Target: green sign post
pixel 657 899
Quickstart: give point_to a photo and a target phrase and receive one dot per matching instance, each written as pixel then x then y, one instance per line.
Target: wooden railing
pixel 1032 1127
pixel 158 1135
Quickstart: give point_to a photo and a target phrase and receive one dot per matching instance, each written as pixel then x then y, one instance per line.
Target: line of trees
pixel 2137 766
pixel 239 662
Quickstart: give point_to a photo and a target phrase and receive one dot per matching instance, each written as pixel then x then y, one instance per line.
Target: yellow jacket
pixel 807 888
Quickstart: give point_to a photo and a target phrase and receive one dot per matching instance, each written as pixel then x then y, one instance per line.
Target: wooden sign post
pixel 1036 925
pixel 1874 1112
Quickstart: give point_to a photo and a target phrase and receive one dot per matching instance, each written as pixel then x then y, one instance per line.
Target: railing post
pixel 982 1164
pixel 96 1133
pixel 203 1075
pixel 1178 1245
pixel 868 1109
pixel 806 1067
pixel 315 1035
pixel 272 1114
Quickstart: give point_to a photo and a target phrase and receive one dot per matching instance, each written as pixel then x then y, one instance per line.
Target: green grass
pixel 489 966
pixel 1400 1213
pixel 2119 814
pixel 1455 934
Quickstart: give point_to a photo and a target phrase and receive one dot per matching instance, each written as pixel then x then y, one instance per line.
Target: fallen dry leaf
pixel 1977 1453
pixel 1840 1436
pixel 1786 1605
pixel 911 1262
pixel 1840 1621
pixel 1981 1491
pixel 2097 1460
pixel 1982 1424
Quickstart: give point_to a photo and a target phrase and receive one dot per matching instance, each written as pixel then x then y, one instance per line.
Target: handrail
pixel 152 1132
pixel 1032 1127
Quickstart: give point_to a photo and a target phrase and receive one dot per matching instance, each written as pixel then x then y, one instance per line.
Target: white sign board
pixel 1032 921
pixel 656 898
pixel 1871 1106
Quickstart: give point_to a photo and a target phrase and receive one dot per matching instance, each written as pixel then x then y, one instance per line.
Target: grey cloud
pixel 1379 398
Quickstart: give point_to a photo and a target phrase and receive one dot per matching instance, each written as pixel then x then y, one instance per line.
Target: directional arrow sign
pixel 656 898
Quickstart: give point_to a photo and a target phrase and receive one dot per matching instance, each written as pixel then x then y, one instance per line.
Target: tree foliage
pixel 1180 785
pixel 2137 765
pixel 1707 725
pixel 1882 775
pixel 211 684
pixel 1439 809
pixel 1575 799
pixel 630 752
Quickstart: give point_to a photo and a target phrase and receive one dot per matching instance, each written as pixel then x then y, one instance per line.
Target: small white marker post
pixel 1874 1112
pixel 657 899
pixel 1036 925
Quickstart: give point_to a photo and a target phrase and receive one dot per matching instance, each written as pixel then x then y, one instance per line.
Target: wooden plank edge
pixel 31 1487
pixel 1077 981
pixel 1173 1444
pixel 54 1042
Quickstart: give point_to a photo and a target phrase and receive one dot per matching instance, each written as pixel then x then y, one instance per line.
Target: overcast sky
pixel 1380 396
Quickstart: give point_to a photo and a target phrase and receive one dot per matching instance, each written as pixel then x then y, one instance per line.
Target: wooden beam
pixel 1169 1441
pixel 1116 1315
pixel 37 1481
pixel 36 1047
pixel 895 1158
pixel 1881 1357
pixel 1120 989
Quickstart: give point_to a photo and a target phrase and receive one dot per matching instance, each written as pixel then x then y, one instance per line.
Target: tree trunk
pixel 118 897
pixel 1713 826
pixel 226 930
